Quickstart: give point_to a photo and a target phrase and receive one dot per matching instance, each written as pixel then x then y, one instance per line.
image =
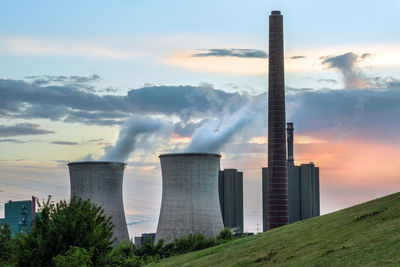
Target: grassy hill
pixel 363 235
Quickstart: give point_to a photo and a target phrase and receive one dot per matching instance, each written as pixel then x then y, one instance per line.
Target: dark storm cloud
pixel 65 143
pixel 20 99
pixel 348 111
pixel 44 110
pixel 364 113
pixel 22 129
pixel 232 52
pixel 183 101
pixel 297 57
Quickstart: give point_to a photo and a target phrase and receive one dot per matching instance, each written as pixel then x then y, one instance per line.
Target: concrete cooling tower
pixel 190 200
pixel 101 182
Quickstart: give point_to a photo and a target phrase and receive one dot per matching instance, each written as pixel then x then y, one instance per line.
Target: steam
pixel 214 134
pixel 128 137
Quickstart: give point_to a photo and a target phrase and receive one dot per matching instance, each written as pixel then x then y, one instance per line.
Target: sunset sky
pixel 76 75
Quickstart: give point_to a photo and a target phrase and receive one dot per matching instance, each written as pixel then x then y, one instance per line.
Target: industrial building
pixel 277 211
pixel 230 183
pixel 303 187
pixel 190 199
pixel 19 215
pixel 101 182
pixel 141 240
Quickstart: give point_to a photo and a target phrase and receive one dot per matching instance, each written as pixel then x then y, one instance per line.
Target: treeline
pixel 78 233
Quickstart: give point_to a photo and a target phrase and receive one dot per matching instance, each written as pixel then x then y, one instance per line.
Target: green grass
pixel 363 235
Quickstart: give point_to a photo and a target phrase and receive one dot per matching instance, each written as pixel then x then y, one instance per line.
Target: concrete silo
pixel 101 182
pixel 190 200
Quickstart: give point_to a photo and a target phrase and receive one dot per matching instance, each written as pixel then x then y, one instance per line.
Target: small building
pixel 230 185
pixel 19 215
pixel 141 240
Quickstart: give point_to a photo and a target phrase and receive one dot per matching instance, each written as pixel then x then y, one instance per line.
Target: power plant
pixel 196 196
pixel 303 187
pixel 190 200
pixel 101 182
pixel 277 201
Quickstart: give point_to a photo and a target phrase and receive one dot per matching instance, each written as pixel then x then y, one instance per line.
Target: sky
pixel 130 80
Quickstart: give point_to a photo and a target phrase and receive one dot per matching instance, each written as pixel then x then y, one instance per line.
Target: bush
pixel 123 255
pixel 225 236
pixel 148 252
pixel 192 242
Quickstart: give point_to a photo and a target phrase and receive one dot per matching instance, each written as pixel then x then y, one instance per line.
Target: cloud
pixel 80 82
pixel 354 78
pixel 65 143
pixel 66 47
pixel 22 129
pixel 297 57
pixel 370 114
pixel 16 141
pixel 20 99
pixel 64 79
pixel 385 82
pixel 188 108
pixel 232 52
pixel 139 221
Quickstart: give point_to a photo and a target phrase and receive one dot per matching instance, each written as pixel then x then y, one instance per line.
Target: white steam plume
pixel 214 134
pixel 128 137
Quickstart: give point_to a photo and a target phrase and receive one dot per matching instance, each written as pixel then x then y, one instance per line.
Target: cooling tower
pixel 277 203
pixel 101 182
pixel 190 200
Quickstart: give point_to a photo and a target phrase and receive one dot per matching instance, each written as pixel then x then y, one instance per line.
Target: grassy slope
pixel 366 234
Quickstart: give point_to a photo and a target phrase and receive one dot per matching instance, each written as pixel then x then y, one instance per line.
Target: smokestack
pixel 190 199
pixel 289 130
pixel 101 182
pixel 277 204
pixel 33 208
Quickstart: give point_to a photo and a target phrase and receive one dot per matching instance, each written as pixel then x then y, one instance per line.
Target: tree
pixel 5 243
pixel 75 256
pixel 62 226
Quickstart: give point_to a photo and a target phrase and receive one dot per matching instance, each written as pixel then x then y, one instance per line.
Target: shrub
pixel 225 235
